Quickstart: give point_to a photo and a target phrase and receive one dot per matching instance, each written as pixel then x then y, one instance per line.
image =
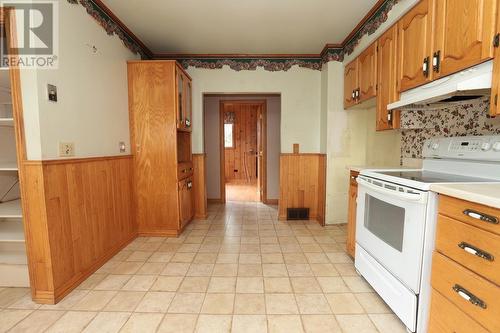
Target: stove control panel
pixel 483 148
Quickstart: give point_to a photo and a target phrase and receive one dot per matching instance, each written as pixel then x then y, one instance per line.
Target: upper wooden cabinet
pixel 386 80
pixel 183 100
pixel 463 34
pixel 414 46
pixel 351 83
pixel 495 84
pixel 367 73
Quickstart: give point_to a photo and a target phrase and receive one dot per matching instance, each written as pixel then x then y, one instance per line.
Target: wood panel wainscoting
pixel 303 184
pixel 200 186
pixel 78 214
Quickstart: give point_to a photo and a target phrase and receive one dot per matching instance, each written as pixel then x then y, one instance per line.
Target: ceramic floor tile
pixel 213 323
pixel 107 322
pixel 372 303
pixel 218 304
pixel 320 324
pixel 178 323
pixel 312 304
pixel 125 301
pixel 281 304
pixel 167 283
pixel 95 300
pixel 142 322
pixel 9 318
pixel 388 323
pixel 140 283
pixel 72 322
pixel 344 303
pixel 155 301
pixel 249 324
pixel 305 285
pixel 284 324
pixel 277 285
pixel 222 285
pixel 250 285
pixel 37 321
pixel 194 284
pixel 249 304
pixel 356 324
pixel 186 303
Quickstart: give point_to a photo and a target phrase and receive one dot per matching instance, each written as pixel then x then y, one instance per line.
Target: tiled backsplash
pixel 468 118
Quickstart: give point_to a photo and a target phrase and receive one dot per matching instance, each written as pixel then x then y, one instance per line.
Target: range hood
pixel 471 83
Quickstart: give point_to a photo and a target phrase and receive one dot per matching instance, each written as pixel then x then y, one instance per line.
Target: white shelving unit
pixel 13 260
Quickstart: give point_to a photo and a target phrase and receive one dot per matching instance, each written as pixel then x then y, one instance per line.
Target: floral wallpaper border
pixel 238 64
pixel 111 27
pixel 467 118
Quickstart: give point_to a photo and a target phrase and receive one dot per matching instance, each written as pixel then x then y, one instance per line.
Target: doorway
pixel 243 150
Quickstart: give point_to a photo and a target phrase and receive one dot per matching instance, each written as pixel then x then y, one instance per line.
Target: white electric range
pixel 396 220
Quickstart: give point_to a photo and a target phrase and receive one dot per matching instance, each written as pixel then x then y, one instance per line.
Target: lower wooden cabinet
pixel 185 201
pixel 351 217
pixel 465 293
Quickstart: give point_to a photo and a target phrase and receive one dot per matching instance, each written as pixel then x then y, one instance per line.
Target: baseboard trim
pixel 48 297
pixel 159 233
pixel 271 201
pixel 214 201
pixel 201 217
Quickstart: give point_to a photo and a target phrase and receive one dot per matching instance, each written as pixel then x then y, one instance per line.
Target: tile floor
pixel 240 270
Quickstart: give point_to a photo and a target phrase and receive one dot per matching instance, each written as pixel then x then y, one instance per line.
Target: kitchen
pixel 392 129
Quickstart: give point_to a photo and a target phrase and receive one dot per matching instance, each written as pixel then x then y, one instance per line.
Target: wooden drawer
pixel 458 209
pixel 184 169
pixel 454 282
pixel 471 247
pixel 447 318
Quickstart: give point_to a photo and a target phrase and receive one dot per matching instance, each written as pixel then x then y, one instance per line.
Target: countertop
pixel 485 194
pixel 358 168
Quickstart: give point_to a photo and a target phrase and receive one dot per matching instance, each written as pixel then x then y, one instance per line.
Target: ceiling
pixel 240 26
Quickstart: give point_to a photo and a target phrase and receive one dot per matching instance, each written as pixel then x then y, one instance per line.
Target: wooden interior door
pixel 414 46
pixel 261 152
pixel 240 160
pixel 367 73
pixel 386 79
pixel 350 83
pixel 463 34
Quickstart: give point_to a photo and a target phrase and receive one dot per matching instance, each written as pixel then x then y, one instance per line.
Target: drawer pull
pixel 189 184
pixel 480 216
pixel 474 250
pixel 468 296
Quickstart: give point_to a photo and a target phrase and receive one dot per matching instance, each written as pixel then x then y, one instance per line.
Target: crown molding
pixel 271 62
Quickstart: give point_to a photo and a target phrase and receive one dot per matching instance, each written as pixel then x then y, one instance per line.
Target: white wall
pixel 300 90
pixel 211 143
pixel 92 110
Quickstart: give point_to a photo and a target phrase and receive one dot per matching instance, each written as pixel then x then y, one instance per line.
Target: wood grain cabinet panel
pixel 476 249
pixel 414 46
pixel 161 144
pixel 495 84
pixel 386 80
pixel 351 214
pixel 350 83
pixel 367 73
pixel 475 296
pixel 463 34
pixel 447 318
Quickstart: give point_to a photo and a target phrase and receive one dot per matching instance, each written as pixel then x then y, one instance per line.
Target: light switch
pixel 66 149
pixel 123 147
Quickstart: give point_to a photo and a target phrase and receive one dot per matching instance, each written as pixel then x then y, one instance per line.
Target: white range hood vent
pixel 469 84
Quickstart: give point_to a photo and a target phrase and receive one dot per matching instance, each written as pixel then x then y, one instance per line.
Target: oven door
pixel 390 227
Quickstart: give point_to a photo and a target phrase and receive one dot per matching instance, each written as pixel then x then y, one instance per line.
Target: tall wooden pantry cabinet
pixel 160 128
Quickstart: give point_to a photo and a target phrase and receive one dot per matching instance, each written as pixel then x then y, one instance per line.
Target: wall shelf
pixel 10 210
pixel 8 166
pixel 6 122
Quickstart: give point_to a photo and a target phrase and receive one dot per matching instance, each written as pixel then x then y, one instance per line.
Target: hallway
pixel 240 270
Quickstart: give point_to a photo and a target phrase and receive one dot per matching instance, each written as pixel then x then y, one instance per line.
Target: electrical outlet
pixel 66 149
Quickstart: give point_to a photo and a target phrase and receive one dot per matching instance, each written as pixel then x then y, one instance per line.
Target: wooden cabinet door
pixel 463 34
pixel 386 80
pixel 350 83
pixel 495 83
pixel 351 217
pixel 180 103
pixel 185 201
pixel 188 109
pixel 414 46
pixel 367 73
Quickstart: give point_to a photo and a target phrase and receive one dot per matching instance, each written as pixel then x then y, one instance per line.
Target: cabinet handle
pixel 425 67
pixel 476 251
pixel 353 94
pixel 496 40
pixel 189 185
pixel 480 216
pixel 357 93
pixel 188 122
pixel 468 296
pixel 436 61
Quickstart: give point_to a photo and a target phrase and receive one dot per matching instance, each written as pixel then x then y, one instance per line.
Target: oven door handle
pixel 418 197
